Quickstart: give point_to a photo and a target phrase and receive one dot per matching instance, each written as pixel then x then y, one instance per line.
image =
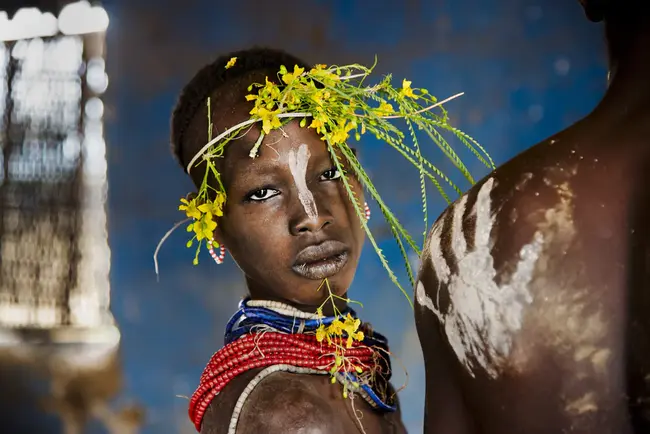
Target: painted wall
pixel 528 69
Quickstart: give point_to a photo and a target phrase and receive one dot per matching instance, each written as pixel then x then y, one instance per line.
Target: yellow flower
pixel 336 328
pixel 220 199
pixel 203 228
pixel 291 76
pixel 325 76
pixel 212 208
pixel 270 119
pixel 385 109
pixel 340 133
pixel 270 91
pixel 351 325
pixel 317 123
pixel 321 334
pixel 231 62
pixel 406 89
pixel 190 208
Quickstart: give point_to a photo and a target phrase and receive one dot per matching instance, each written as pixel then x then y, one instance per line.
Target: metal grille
pixel 45 199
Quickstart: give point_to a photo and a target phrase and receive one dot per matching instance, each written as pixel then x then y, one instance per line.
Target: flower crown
pixel 337 102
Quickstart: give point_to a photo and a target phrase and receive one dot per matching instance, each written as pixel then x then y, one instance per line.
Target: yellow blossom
pixel 231 62
pixel 212 208
pixel 351 324
pixel 327 77
pixel 190 208
pixel 270 90
pixel 406 89
pixel 340 133
pixel 385 109
pixel 336 328
pixel 291 76
pixel 203 228
pixel 269 118
pixel 321 333
pixel 317 124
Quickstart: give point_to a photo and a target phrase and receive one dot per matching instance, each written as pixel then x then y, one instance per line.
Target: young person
pixel 532 301
pixel 289 224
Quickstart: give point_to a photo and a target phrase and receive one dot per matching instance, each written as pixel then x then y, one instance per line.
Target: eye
pixel 330 175
pixel 262 194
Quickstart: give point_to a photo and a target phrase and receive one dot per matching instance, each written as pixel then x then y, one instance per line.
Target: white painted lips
pixel 322 260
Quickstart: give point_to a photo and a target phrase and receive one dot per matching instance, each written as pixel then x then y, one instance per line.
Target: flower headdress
pixel 339 104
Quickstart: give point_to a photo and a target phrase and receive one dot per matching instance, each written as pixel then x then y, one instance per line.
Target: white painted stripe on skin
pixel 298 162
pixel 483 317
pixel 439 264
pixel 424 300
pixel 458 242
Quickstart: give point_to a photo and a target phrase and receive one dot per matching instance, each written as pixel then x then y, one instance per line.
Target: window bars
pixel 54 254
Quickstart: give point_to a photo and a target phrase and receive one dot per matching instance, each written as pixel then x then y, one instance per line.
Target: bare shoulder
pixel 280 403
pixel 541 235
pixel 287 403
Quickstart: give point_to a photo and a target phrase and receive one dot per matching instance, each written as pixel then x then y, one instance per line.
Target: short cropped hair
pixel 224 85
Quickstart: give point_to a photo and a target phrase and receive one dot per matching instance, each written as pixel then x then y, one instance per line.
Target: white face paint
pixel 298 162
pixel 483 316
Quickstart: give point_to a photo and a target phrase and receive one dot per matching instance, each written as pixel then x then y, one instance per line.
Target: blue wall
pixel 528 69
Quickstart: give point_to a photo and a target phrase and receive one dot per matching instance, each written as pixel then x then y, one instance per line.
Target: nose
pixel 303 222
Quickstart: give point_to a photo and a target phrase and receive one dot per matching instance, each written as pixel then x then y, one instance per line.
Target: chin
pixel 316 293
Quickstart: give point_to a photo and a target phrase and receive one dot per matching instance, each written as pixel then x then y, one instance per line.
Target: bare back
pixel 534 290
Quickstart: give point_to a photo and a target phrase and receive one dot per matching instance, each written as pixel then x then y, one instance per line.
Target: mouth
pixel 321 261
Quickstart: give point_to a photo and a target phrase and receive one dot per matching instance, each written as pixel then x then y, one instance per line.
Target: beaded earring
pixel 222 253
pixel 367 210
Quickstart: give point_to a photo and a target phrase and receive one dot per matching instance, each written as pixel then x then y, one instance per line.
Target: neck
pixel 327 306
pixel 628 40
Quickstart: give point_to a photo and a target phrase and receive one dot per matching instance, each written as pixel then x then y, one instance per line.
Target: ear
pixel 217 235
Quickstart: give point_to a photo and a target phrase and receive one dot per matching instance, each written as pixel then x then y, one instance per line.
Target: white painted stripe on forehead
pixel 298 162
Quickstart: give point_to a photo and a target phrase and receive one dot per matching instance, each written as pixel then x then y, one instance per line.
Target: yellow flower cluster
pixel 334 114
pixel 203 215
pixel 348 328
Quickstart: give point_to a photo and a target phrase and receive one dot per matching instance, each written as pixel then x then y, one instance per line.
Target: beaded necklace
pixel 278 337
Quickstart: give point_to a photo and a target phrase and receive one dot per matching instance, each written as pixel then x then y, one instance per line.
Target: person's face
pixel 288 221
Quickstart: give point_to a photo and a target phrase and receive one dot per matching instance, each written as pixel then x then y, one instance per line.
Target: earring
pixel 367 210
pixel 222 253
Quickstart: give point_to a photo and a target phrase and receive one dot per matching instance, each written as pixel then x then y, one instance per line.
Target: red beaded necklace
pixel 260 350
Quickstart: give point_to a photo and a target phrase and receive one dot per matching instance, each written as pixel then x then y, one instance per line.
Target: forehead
pixel 275 151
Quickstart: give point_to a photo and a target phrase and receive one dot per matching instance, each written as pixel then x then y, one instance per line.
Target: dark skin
pixel 570 353
pixel 265 225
